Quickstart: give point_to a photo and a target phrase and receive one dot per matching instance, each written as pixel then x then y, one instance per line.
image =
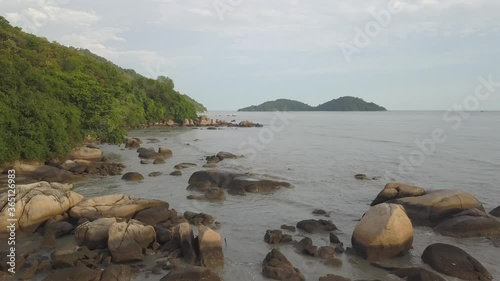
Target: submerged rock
pixel 385 231
pixel 276 237
pixel 132 176
pixel 316 226
pixel 276 266
pixel 36 203
pixel 332 277
pixel 397 190
pixel 455 262
pixel 212 194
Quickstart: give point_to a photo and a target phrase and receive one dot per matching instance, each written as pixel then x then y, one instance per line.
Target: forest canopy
pixel 51 96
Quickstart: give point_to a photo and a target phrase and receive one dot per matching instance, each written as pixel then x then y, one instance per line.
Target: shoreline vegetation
pixel 52 96
pixel 346 103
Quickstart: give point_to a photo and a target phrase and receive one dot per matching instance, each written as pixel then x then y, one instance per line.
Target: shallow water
pixel 319 153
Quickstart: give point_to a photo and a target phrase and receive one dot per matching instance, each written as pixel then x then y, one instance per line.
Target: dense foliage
pixel 340 104
pixel 349 104
pixel 279 105
pixel 51 96
pixel 198 106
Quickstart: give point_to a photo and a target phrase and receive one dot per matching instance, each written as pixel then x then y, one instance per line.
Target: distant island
pixel 341 104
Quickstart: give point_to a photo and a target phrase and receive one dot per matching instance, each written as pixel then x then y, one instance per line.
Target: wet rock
pixel 191 273
pixel 331 277
pixel 385 231
pixel 37 203
pixel 119 272
pixel 165 152
pixel 325 252
pixel 59 228
pixel 176 173
pixel 151 154
pixel 85 153
pixel 133 143
pixel 288 227
pixel 197 219
pixel 185 238
pixel 210 247
pixel 46 173
pixel 319 212
pixel 417 274
pixel 116 205
pixel 128 240
pixel 316 226
pixel 155 215
pixel 495 212
pixel 132 176
pixel 434 207
pixel 94 235
pixel 396 190
pixel 163 235
pixel 306 247
pixel 455 262
pixel 276 266
pixel 212 194
pixel 226 155
pixel 334 238
pixel 243 184
pixel 184 166
pixel 144 162
pixel 199 186
pixel 469 223
pixel 155 174
pixel 333 262
pixel 361 177
pixel 61 259
pixel 339 249
pixel 159 161
pixel 78 273
pixel 218 178
pixel 276 237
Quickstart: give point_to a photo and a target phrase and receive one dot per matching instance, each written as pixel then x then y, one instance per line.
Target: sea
pixel 319 153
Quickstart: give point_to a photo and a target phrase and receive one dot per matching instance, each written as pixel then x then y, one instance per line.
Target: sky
pixel 229 54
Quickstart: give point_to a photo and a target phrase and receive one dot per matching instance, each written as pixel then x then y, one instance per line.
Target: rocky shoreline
pixel 109 237
pixel 202 121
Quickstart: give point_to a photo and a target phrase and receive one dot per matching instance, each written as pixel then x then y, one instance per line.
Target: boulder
pixel 212 194
pixel 319 212
pixel 155 174
pixel 116 205
pixel 455 262
pixel 334 239
pixel 94 235
pixel 86 153
pixel 150 154
pixel 176 173
pixel 385 231
pixel 361 177
pixel 155 215
pixel 132 176
pixel 46 173
pixel 215 177
pixel 36 203
pixel 133 143
pixel 469 223
pixel 288 227
pixel 191 273
pixel 210 247
pixel 306 247
pixel 276 266
pixel 316 226
pixel 434 207
pixel 333 262
pixel 128 240
pixel 197 219
pixel 165 152
pixel 325 252
pixel 276 237
pixel 226 155
pixel 159 161
pixel 397 190
pixel 495 212
pixel 185 238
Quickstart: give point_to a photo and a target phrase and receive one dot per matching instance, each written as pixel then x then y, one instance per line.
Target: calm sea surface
pixel 319 153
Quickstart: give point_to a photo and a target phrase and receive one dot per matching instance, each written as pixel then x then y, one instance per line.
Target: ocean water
pixel 319 153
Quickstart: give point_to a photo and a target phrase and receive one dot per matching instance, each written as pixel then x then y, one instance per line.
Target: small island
pixel 341 104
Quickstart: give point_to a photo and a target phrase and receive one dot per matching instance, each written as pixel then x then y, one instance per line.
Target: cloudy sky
pixel 227 54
